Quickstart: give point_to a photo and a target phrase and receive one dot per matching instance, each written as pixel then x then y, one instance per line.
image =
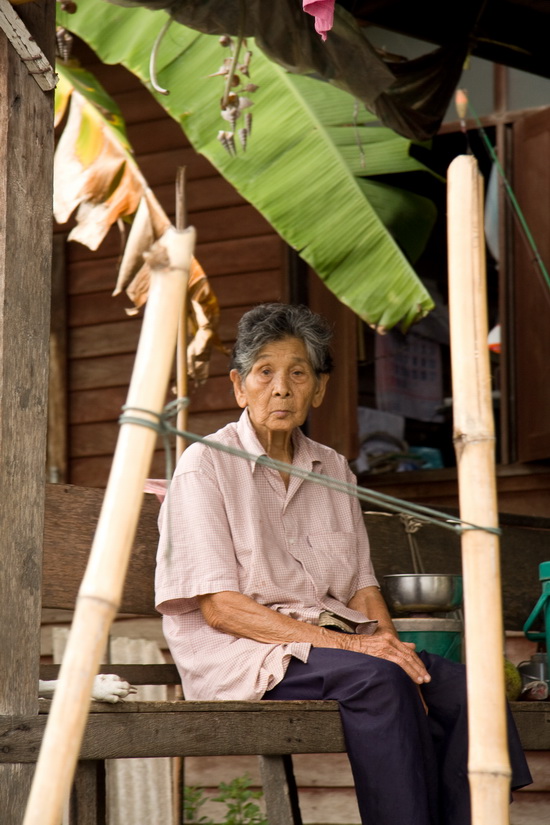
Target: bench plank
pixel 158 733
pixel 533 724
pixel 135 674
pixel 179 728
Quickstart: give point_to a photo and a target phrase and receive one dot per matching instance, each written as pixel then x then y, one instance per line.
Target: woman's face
pixel 280 388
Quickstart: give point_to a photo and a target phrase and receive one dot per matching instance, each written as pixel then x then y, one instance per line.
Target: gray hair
pixel 267 323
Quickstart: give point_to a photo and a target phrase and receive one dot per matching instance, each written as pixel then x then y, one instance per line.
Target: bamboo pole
pixel 101 589
pixel 182 387
pixel 488 760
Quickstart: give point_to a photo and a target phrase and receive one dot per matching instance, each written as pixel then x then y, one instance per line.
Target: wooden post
pixel 57 394
pixel 280 791
pixel 488 761
pixel 26 162
pixel 101 589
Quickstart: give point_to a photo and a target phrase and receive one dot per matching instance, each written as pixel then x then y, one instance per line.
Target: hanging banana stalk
pixel 234 100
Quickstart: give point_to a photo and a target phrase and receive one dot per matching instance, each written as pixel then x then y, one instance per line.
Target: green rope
pixel 513 199
pixel 162 426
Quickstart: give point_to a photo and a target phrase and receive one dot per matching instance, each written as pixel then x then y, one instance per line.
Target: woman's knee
pixel 343 674
pixel 389 672
pixel 447 689
pixel 380 696
pixel 380 675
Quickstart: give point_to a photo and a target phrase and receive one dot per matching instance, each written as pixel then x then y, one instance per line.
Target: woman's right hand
pixel 236 614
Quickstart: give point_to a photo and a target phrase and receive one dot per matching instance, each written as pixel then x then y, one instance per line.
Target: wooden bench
pixel 273 730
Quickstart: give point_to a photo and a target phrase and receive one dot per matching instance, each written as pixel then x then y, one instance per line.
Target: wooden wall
pixel 522 489
pixel 242 255
pixel 246 262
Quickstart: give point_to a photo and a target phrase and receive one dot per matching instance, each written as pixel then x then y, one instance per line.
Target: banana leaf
pixel 94 170
pixel 307 163
pixel 96 175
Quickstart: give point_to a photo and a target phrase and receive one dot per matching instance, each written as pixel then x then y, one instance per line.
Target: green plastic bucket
pixel 441 636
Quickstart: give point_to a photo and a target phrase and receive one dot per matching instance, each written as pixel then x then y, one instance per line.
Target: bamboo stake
pixel 488 760
pixel 182 389
pixel 181 351
pixel 101 588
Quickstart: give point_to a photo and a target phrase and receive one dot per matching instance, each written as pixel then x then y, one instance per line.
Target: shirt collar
pixel 307 453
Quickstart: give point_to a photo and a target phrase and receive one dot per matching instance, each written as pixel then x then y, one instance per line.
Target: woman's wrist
pixel 333 639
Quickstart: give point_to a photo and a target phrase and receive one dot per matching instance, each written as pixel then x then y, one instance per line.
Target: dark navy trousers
pixel 409 768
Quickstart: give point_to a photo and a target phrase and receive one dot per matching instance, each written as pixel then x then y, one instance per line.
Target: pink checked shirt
pixel 230 524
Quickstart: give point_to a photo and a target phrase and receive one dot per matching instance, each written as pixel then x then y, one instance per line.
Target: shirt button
pixel 292 541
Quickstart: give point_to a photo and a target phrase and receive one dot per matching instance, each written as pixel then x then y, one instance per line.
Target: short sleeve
pixel 195 554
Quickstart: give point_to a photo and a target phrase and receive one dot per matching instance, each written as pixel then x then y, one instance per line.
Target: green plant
pixel 240 810
pixel 193 800
pixel 325 175
pixel 237 797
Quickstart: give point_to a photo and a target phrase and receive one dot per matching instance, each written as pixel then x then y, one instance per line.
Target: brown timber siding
pixel 242 255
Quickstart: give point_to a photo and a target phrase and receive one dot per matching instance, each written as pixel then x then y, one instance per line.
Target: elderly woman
pixel 267 590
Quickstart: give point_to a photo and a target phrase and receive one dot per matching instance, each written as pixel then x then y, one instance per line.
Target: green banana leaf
pixel 307 163
pixel 74 77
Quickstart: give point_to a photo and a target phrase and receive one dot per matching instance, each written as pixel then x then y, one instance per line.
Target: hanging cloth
pixel 323 12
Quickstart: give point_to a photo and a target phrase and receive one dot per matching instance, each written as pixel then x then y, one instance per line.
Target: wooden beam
pixel 26 156
pixel 38 65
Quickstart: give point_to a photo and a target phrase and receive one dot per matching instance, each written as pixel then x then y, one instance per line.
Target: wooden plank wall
pixel 242 255
pixel 522 489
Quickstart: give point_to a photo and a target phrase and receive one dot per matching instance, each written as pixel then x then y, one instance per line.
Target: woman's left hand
pixel 385 641
pixel 384 644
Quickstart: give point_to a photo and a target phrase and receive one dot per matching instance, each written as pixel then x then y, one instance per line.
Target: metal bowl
pixel 423 592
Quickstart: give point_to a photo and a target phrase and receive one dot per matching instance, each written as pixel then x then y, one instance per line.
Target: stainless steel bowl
pixel 422 592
